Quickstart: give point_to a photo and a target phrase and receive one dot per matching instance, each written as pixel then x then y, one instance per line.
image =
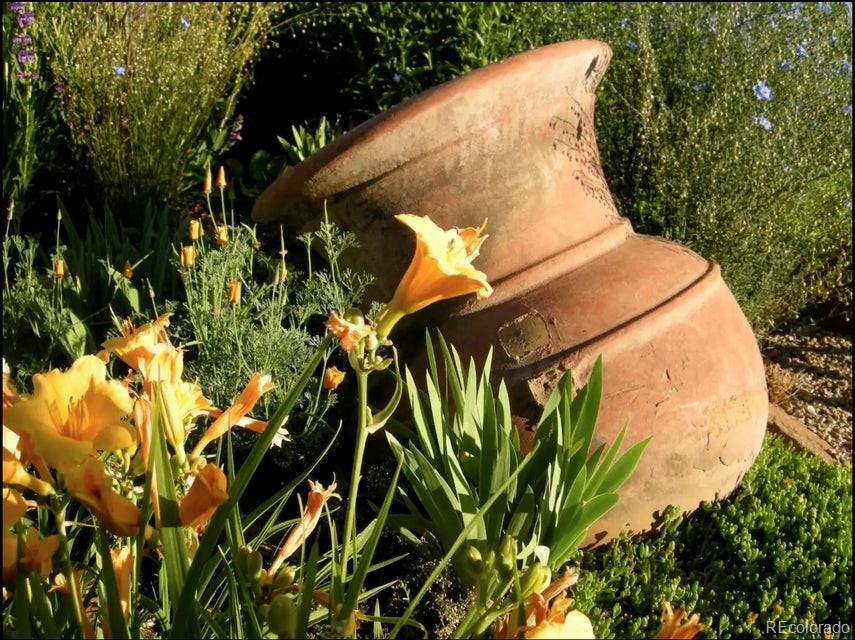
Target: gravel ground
pixel 810 376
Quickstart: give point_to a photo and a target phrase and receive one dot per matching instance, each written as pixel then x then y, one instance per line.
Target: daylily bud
pixel 507 557
pixel 282 616
pixel 222 235
pixel 234 292
pixel 59 268
pixel 284 579
pixel 254 563
pixel 221 178
pixel 206 186
pixel 474 561
pixel 535 579
pixel 188 256
pixel 371 342
pixel 127 270
pixel 193 228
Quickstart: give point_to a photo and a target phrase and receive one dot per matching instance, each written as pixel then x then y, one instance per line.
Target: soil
pixel 809 371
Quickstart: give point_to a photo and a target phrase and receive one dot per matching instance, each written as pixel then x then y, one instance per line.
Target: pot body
pixel 514 142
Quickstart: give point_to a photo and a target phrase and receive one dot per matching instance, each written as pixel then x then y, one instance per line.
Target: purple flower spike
pixel 632 45
pixel 16 7
pixel 847 109
pixel 25 56
pixel 120 71
pixel 25 19
pixel 22 39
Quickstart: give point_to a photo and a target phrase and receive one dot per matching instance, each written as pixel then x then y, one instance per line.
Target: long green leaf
pixel 187 601
pixel 118 627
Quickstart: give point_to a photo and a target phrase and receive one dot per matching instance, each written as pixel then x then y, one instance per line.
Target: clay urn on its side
pixel 514 142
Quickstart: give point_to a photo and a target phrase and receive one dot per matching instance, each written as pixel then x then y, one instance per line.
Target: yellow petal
pixel 576 625
pixel 92 487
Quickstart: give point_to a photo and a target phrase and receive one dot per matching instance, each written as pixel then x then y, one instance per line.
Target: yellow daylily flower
pixel 14 508
pixel 257 386
pixel 137 345
pixel 182 401
pixel 317 498
pixel 14 471
pixel 92 487
pixel 38 552
pixel 206 494
pixel 441 269
pixel 671 627
pixel 10 394
pixel 60 584
pixel 123 561
pixel 547 615
pixel 73 413
pixel 348 333
pixel 332 378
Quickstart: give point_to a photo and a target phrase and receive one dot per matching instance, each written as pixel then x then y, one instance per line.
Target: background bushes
pixel 691 150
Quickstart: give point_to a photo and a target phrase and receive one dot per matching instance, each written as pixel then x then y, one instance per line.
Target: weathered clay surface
pixel 514 142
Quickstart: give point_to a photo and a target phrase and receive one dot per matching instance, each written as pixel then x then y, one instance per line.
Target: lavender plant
pixel 149 90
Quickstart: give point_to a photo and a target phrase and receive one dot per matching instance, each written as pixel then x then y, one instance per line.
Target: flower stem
pixel 361 437
pixel 68 571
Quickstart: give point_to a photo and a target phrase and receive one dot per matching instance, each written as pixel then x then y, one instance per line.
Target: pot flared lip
pixel 340 150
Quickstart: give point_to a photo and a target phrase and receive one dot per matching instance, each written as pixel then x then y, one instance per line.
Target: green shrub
pixel 148 90
pixel 779 550
pixel 681 131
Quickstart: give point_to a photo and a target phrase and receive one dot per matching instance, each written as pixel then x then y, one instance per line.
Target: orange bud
pixel 332 378
pixel 222 235
pixel 127 270
pixel 234 292
pixel 188 256
pixel 221 178
pixel 206 186
pixel 59 268
pixel 193 228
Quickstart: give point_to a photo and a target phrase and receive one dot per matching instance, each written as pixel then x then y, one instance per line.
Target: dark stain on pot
pixel 524 336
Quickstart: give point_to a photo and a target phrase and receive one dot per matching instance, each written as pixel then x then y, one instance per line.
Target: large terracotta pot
pixel 514 142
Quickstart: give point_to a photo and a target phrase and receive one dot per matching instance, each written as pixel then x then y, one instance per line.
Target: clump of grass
pixel 782 384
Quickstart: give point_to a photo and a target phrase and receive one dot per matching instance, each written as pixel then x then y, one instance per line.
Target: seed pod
pixel 284 579
pixel 254 565
pixel 354 316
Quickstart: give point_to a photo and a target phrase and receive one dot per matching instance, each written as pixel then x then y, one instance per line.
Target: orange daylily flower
pixel 14 471
pixel 547 615
pixel 137 345
pixel 73 413
pixel 671 627
pixel 441 269
pixel 257 386
pixel 258 426
pixel 92 487
pixel 348 334
pixel 205 496
pixel 332 378
pixel 317 498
